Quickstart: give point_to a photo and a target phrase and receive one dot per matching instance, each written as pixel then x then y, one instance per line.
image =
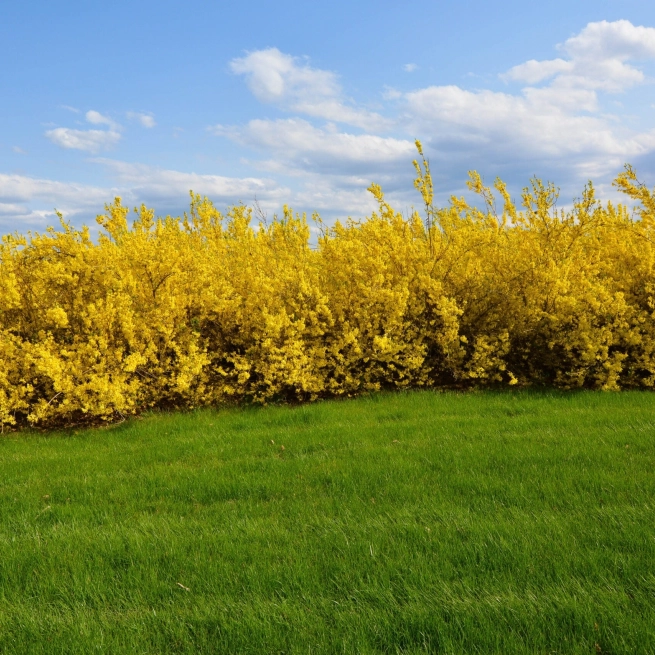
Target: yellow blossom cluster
pixel 209 308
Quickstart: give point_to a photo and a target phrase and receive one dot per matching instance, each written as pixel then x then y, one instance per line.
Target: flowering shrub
pixel 206 309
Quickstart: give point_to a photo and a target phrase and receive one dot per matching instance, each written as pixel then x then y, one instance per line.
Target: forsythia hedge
pixel 206 308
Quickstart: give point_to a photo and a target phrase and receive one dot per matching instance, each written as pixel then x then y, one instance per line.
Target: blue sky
pixel 309 102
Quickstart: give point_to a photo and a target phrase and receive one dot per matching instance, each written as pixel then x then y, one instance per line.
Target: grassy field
pixel 407 523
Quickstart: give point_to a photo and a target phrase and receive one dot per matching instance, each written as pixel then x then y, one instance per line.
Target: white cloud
pixel 559 123
pixel 389 93
pixel 501 119
pixel 12 209
pixel 18 150
pixel 334 196
pixel 534 71
pixel 410 68
pixel 29 203
pixel 153 183
pixel 96 118
pixel 146 120
pixel 539 125
pixel 22 188
pixel 619 39
pixel 556 125
pixel 273 76
pixel 87 140
pixel 278 78
pixel 300 145
pixel 598 59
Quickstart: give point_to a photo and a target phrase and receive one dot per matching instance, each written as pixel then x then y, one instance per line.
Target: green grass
pixel 407 523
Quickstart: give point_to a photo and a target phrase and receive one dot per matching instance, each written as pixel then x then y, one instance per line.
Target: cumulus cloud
pixel 558 123
pixel 29 202
pixel 296 143
pixel 145 120
pixel 598 58
pixel 87 140
pixel 153 183
pixel 12 209
pixel 552 121
pixel 410 68
pixel 96 118
pixel 23 188
pixel 165 188
pixel 555 124
pixel 534 71
pixel 533 120
pixel 533 128
pixel 278 78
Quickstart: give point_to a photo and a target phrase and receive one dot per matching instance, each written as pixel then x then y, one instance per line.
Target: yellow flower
pixel 209 308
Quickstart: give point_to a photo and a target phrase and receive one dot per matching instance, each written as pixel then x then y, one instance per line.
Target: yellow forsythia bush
pixel 208 309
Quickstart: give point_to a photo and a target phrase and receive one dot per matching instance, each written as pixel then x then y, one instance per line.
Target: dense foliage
pixel 207 308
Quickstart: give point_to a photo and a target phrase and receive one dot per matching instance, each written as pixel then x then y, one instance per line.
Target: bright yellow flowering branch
pixel 209 308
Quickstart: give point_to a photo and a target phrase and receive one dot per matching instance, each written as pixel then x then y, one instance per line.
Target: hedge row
pixel 207 309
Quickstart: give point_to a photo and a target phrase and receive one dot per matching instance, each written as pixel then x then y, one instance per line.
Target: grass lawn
pixel 399 523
